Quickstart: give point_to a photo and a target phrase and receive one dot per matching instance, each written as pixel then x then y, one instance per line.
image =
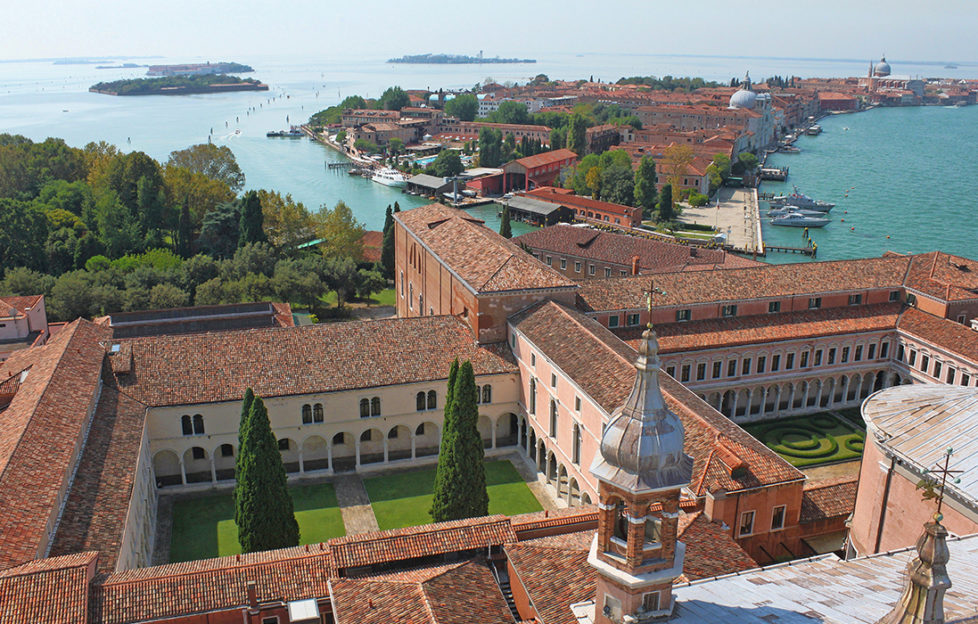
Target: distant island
pixel 198 69
pixel 178 85
pixel 123 66
pixel 455 59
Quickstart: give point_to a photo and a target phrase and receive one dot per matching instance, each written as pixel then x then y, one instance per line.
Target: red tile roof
pixel 206 368
pixel 48 591
pixel 710 549
pixel 39 434
pixel 555 574
pixel 546 158
pixel 828 499
pixel 548 193
pixel 949 335
pixel 941 275
pixel 372 243
pixel 19 304
pixel 483 259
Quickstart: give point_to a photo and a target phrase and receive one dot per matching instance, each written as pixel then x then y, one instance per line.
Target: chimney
pixel 927 580
pixel 252 595
pixel 634 265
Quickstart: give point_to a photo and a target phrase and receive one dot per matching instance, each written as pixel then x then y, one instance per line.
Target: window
pixel 633 320
pixel 364 408
pixel 746 523
pixel 650 601
pixel 731 368
pixel 577 267
pixel 339 439
pixel 789 362
pixel 965 379
pixel 553 418
pixel 745 369
pixel 774 306
pixel 671 371
pixel 937 369
pixel 227 450
pixel 432 401
pixel 684 373
pixel 198 424
pixel 872 352
pixel 701 371
pixel 590 269
pixel 550 261
pixel 777 518
pixel 622 273
pixel 402 284
pixel 950 375
pixel 577 403
pixel 621 521
pixel 533 396
pixel 858 355
pixel 818 358
pixel 925 363
pixel 832 355
pixel 411 296
pixel 682 315
pixel 418 401
pixel 186 425
pixel 317 413
pixel 576 451
pixel 653 530
pixel 306 414
pixel 487 393
pixel 533 359
pixel 607 272
pixel 775 363
pixel 563 263
pixel 894 296
pixel 367 435
pixel 269 620
pixel 913 357
pixel 855 299
pixel 845 354
pixel 885 349
pixel 717 366
pixel 814 303
pixel 613 321
pixel 804 359
pixel 728 310
pixel 911 299
pixel 199 453
pixel 761 363
pixel 553 380
pixel 283 444
pixel 375 406
pixel 392 434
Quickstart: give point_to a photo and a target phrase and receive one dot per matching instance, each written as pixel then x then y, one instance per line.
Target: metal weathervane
pixel 651 292
pixel 934 489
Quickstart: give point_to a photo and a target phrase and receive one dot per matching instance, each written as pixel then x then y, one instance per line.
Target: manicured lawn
pixel 204 527
pixel 404 499
pixel 809 440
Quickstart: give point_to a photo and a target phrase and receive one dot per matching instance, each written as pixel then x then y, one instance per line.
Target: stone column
pixel 213 470
pixel 183 471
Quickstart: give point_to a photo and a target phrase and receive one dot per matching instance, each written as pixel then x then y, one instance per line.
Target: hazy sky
pixel 939 30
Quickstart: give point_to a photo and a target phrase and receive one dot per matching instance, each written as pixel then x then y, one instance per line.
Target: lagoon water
pixel 913 169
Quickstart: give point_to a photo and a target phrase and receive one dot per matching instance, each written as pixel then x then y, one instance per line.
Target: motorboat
pixel 800 200
pixel 389 177
pixel 799 220
pixel 788 210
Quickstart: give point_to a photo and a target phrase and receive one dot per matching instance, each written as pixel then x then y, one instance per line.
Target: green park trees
pixel 460 479
pixel 446 164
pixel 464 106
pixel 645 185
pixel 263 509
pixel 666 210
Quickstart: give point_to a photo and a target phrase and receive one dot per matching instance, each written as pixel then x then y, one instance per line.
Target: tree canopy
pixel 464 106
pixel 217 163
pixel 446 164
pixel 342 234
pixel 394 98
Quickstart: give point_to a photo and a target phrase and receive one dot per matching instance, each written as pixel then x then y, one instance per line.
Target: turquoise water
pixel 915 182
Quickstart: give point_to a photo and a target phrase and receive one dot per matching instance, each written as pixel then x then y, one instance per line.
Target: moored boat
pixel 799 220
pixel 787 210
pixel 389 177
pixel 800 200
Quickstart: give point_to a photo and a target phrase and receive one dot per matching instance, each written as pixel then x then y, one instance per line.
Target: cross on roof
pixel 651 292
pixel 943 470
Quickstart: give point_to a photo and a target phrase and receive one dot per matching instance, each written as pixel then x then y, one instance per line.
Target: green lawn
pixel 204 527
pixel 404 499
pixel 382 298
pixel 810 440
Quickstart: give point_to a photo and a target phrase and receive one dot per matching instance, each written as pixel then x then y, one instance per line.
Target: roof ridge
pixel 107 581
pixel 588 330
pixel 497 271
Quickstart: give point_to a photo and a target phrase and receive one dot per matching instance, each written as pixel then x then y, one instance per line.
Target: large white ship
pixel 389 177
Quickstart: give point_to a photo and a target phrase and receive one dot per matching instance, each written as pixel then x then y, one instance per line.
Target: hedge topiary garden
pixel 810 440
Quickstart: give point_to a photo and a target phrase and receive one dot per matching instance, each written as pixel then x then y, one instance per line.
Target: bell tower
pixel 641 470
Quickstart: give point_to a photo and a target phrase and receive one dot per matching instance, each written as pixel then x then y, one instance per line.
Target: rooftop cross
pixel 651 292
pixel 929 484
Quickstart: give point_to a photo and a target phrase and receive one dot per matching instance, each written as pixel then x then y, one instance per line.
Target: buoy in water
pixel 852 229
pixel 887 235
pixel 843 220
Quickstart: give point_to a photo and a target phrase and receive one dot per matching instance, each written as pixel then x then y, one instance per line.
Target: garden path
pixel 358 515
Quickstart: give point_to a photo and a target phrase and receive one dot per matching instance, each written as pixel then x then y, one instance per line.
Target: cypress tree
pixel 505 229
pixel 249 398
pixel 263 507
pixel 252 220
pixel 388 219
pixel 666 212
pixel 443 506
pixel 397 207
pixel 387 254
pixel 470 452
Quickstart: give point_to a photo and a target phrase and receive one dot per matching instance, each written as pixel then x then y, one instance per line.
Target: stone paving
pixel 738 217
pixel 358 515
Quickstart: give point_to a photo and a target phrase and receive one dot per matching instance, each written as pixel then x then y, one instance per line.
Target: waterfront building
pixel 469 130
pixel 539 170
pixel 357 117
pixel 587 209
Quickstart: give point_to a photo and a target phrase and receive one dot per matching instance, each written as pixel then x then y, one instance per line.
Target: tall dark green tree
pixel 387 253
pixel 505 229
pixel 445 473
pixel 219 232
pixel 249 398
pixel 577 135
pixel 388 219
pixel 264 511
pixel 645 181
pixel 252 220
pixel 666 212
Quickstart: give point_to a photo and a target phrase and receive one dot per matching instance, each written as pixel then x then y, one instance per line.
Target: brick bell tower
pixel 641 470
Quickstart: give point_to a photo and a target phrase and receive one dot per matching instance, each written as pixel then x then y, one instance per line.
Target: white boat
pixel 787 210
pixel 389 177
pixel 799 220
pixel 801 201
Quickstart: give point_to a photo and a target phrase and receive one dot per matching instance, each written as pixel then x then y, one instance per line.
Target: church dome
pixel 743 99
pixel 882 68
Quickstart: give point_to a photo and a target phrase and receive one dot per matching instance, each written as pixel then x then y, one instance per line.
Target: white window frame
pixel 740 523
pixel 784 516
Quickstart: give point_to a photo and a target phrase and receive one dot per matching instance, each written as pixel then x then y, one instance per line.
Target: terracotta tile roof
pixel 555 574
pixel 484 260
pixel 771 280
pixel 710 550
pixel 607 376
pixel 205 368
pixel 546 158
pixel 401 544
pixel 578 201
pixel 95 514
pixel 653 255
pixel 828 499
pixel 48 591
pixel 39 433
pixel 526 526
pixel 945 333
pixel 457 593
pixel 19 304
pixel 209 585
pixel 758 329
pixel 372 242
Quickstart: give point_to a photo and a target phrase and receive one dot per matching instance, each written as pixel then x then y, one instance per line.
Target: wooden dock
pixel 805 251
pixel 774 173
pixel 341 165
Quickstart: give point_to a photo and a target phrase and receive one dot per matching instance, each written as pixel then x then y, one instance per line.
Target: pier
pixel 774 173
pixel 805 251
pixel 341 165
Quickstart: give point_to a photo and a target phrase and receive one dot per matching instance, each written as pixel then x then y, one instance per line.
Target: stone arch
pixel 343 451
pixel 399 443
pixel 798 401
pixel 828 391
pixel 315 453
pixel 574 492
pixel 532 443
pixel 743 399
pixel 551 466
pixel 853 388
pixel 508 430
pixel 784 396
pixel 726 404
pixel 197 465
pixel 585 499
pixel 756 401
pixel 166 468
pixel 866 387
pixel 814 389
pixel 563 489
pixel 487 431
pixel 427 439
pixel 771 403
pixel 542 457
pixel 879 382
pixel 373 445
pixel 290 454
pixel 523 435
pixel 841 384
pixel 224 463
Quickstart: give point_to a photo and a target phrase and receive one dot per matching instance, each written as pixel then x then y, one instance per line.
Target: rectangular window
pixel 563 263
pixel 745 369
pixel 650 601
pixel 913 357
pixel 633 320
pixel 716 369
pixel 832 355
pixel 728 310
pixel 671 371
pixel 701 371
pixel 553 380
pixel 746 523
pixel 858 355
pixel 855 299
pixel 777 518
pixel 732 368
pixel 789 362
pixel 402 284
pixel 845 354
pixel 607 272
pixel 623 273
pixel 894 296
pixel 965 379
pixel 684 373
pixel 885 349
pixel 804 359
pixel 925 363
pixel 814 303
pixel 774 306
pixel 682 315
pixel 818 358
pixel 577 403
pixel 950 375
pixel 577 267
pixel 613 321
pixel 775 363
pixel 761 363
pixel 590 269
pixel 911 299
pixel 550 261
pixel 937 369
pixel 872 352
pixel 533 359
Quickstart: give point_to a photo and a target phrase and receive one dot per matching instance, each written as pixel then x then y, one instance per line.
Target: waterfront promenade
pixel 736 214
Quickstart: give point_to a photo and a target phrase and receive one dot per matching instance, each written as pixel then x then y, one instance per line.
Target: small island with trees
pixel 178 85
pixel 455 59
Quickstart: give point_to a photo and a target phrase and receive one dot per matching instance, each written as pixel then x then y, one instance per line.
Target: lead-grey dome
pixel 882 68
pixel 744 97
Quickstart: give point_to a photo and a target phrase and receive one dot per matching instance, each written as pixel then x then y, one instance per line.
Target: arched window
pixel 186 425
pixel 227 450
pixel 317 413
pixel 283 444
pixel 577 444
pixel 553 418
pixel 367 435
pixel 487 393
pixel 392 434
pixel 419 401
pixel 420 430
pixel 339 439
pixel 198 424
pixel 653 530
pixel 432 399
pixel 199 453
pixel 364 408
pixel 621 521
pixel 306 414
pixel 375 406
